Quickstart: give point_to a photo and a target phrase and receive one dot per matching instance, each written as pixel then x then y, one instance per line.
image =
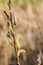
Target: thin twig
pixel 17 58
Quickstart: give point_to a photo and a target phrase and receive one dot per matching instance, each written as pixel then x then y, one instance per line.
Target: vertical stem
pixel 17 58
pixel 9 3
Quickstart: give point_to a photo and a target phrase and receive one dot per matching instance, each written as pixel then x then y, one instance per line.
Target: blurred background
pixel 29 24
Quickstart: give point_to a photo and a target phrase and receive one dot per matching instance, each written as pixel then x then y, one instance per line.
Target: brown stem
pixel 17 58
pixel 9 5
